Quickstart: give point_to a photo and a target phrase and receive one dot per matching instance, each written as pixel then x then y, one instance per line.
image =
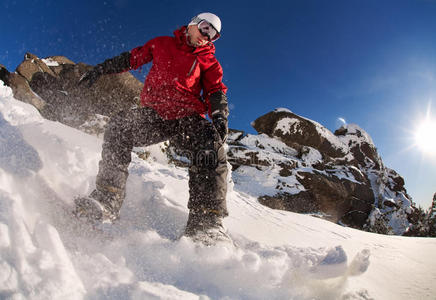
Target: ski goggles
pixel 206 29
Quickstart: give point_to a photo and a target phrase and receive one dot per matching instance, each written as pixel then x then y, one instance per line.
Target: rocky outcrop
pixel 298 165
pixel 51 85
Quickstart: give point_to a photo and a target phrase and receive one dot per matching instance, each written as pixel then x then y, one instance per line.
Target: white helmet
pixel 209 17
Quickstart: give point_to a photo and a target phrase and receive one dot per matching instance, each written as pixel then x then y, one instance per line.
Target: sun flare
pixel 425 137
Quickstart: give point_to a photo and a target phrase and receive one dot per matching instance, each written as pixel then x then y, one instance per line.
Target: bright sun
pixel 425 137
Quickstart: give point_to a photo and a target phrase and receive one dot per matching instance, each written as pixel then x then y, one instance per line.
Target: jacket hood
pixel 182 41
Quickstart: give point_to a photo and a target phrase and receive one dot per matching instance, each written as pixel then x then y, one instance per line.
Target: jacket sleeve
pixel 214 90
pixel 142 55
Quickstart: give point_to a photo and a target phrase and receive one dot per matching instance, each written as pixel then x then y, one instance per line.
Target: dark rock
pixel 22 91
pixel 355 219
pixel 4 74
pixel 338 197
pixel 341 131
pixel 287 168
pixel 302 202
pixel 397 183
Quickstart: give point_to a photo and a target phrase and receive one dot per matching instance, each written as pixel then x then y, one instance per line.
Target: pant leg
pixel 208 171
pixel 127 129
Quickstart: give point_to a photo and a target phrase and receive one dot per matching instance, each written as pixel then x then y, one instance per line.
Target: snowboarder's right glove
pixel 220 111
pixel 113 65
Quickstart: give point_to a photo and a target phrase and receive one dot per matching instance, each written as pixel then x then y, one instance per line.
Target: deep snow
pixel 47 254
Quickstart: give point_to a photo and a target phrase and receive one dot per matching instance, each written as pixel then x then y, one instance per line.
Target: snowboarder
pixel 184 83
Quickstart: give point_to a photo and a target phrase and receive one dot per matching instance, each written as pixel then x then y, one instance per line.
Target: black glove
pixel 91 76
pixel 113 65
pixel 221 126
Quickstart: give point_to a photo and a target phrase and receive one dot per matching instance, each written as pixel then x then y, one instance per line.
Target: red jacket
pixel 178 75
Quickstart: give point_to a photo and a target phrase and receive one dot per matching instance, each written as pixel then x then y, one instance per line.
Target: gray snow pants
pixel 193 135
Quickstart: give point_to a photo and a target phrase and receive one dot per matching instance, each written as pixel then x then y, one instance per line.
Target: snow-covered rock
pixel 301 166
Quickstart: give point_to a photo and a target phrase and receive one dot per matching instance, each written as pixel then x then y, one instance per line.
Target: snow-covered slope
pixel 47 254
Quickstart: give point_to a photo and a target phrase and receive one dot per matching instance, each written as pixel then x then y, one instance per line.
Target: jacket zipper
pixel 192 68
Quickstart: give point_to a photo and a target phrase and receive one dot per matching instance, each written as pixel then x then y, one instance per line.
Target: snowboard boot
pixel 206 227
pixel 93 209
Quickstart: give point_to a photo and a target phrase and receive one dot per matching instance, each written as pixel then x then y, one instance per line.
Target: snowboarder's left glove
pixel 91 76
pixel 113 65
pixel 221 126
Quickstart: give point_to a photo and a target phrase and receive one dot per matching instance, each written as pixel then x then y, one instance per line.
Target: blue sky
pixel 370 62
